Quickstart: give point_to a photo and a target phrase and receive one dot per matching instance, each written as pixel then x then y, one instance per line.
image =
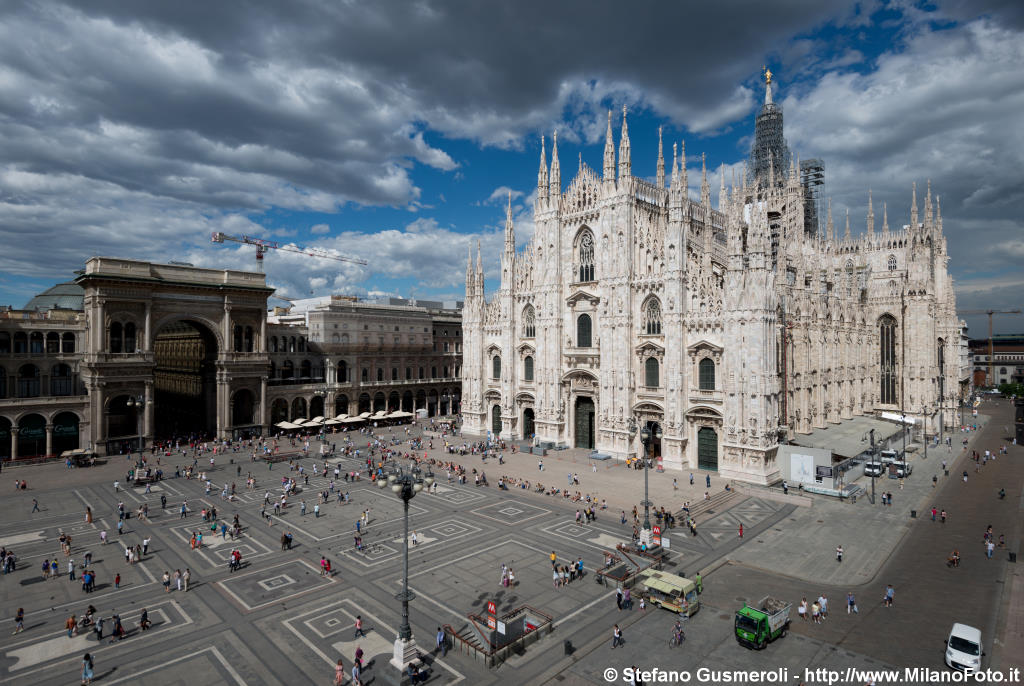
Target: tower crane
pixel 991 356
pixel 263 245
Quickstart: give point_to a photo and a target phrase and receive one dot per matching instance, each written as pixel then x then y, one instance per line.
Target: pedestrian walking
pixel 167 582
pixel 87 669
pixel 942 516
pixel 187 577
pixel 339 673
pixel 358 628
pixel 442 642
pixel 35 505
pixel 741 531
pixel 177 578
pixel 890 594
pixel 851 603
pixel 618 598
pixel 19 621
pixel 839 553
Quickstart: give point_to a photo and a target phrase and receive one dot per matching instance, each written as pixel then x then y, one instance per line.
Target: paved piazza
pixel 277 620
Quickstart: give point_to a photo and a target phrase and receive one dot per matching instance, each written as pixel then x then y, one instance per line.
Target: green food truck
pixel 766 621
pixel 672 592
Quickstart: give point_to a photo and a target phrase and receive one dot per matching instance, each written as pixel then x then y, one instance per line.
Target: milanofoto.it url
pixel 820 675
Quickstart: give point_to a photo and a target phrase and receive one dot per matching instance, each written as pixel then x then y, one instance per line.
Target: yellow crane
pixel 990 378
pixel 263 245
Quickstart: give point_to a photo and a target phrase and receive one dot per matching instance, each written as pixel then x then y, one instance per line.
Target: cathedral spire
pixel 928 206
pixel 609 152
pixel 829 226
pixel 684 182
pixel 913 208
pixel 469 269
pixel 771 173
pixel 555 188
pixel 938 214
pixel 885 218
pixel 542 174
pixel 871 216
pixel 479 260
pixel 767 86
pixel 846 234
pixel 625 158
pixel 721 188
pixel 510 231
pixel 705 189
pixel 661 162
pixel 675 167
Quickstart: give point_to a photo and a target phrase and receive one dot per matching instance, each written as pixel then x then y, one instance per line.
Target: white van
pixel 964 649
pixel 874 469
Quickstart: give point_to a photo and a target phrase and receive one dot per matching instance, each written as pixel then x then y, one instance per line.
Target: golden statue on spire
pixel 768 76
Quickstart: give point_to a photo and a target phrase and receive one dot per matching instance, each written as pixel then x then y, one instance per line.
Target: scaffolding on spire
pixel 769 148
pixel 812 181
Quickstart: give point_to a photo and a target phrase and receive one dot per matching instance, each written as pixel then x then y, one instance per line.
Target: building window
pixel 67 343
pixel 36 343
pixel 583 330
pixel 28 381
pixel 433 372
pixel 892 263
pixel 652 373
pixel 586 257
pixel 528 368
pixel 129 337
pixel 887 358
pixel 706 374
pixel 394 373
pixel 446 346
pixel 116 337
pixel 408 373
pixel 421 372
pixel 496 367
pixel 380 374
pixel 652 317
pixel 529 322
pixel 366 374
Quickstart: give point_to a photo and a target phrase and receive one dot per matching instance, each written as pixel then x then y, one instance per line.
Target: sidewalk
pixel 805 547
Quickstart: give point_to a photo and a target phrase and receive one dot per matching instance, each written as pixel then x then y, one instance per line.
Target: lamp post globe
pixel 405 484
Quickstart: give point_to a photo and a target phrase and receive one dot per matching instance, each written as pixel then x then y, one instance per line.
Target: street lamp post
pixel 645 438
pixel 406 484
pixel 138 404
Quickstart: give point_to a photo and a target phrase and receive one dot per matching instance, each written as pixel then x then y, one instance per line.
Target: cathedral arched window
pixel 583 331
pixel 652 373
pixel 586 257
pixel 528 368
pixel 887 359
pixel 116 337
pixel 892 263
pixel 652 317
pixel 706 374
pixel 496 367
pixel 129 337
pixel 529 322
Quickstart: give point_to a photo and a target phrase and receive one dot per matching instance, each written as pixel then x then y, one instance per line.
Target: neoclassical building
pixel 131 352
pixel 730 328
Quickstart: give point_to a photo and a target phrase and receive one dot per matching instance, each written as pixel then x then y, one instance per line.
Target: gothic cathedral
pixel 725 331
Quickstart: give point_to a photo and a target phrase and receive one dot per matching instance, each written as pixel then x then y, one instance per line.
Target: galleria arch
pixel 174 348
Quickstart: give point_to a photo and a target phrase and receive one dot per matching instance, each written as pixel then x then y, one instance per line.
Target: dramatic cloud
pixel 137 129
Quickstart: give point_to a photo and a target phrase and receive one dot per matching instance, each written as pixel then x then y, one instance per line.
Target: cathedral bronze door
pixel 496 420
pixel 585 423
pixel 707 448
pixel 528 428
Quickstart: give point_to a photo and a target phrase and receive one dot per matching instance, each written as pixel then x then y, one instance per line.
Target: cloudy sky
pixel 394 131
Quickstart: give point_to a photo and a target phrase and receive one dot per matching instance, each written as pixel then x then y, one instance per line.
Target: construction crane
pixel 991 356
pixel 263 245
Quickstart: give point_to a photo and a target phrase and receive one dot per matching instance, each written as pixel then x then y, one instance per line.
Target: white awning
pixel 341 416
pixel 286 425
pixel 364 415
pixel 332 422
pixel 299 422
pixel 353 420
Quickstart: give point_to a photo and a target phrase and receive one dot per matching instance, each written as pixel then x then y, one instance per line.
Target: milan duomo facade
pixel 731 329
